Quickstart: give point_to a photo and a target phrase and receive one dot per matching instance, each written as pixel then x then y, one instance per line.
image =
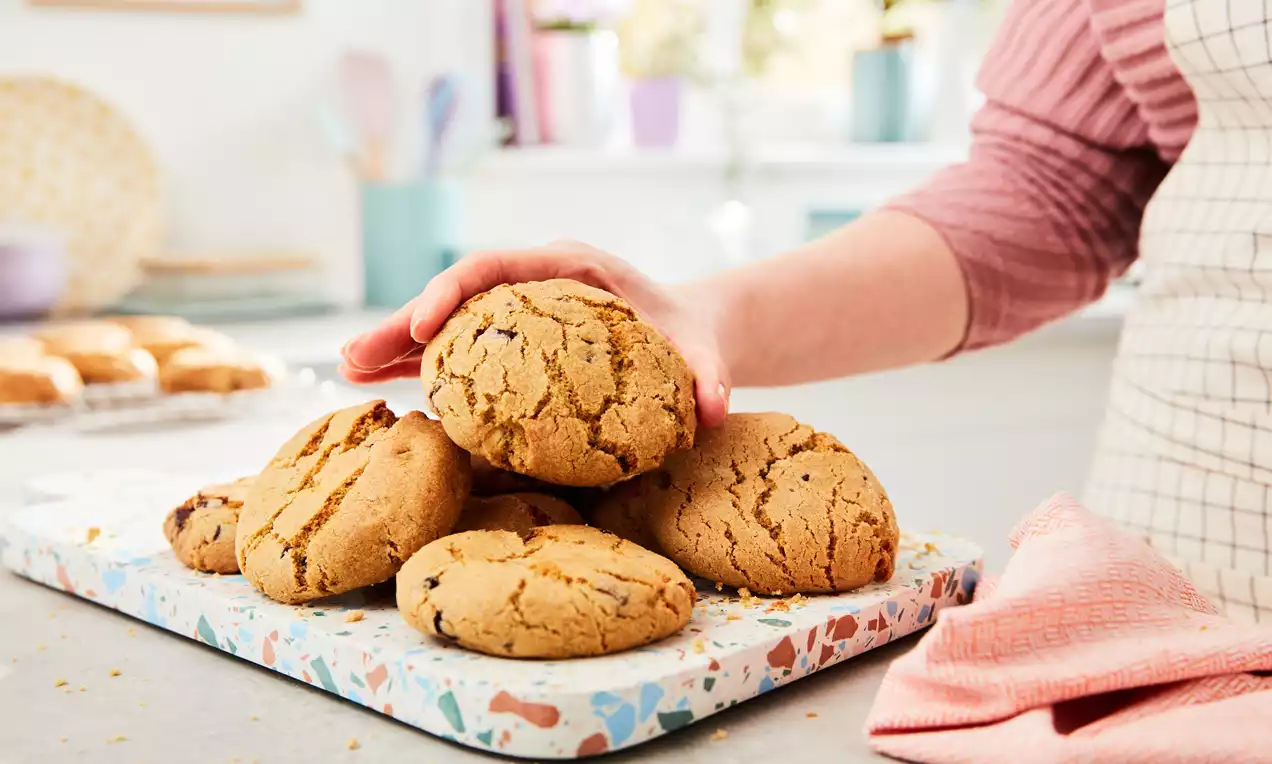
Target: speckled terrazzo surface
pixel 731 651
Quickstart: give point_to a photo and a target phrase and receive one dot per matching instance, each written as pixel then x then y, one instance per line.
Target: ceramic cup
pixel 32 270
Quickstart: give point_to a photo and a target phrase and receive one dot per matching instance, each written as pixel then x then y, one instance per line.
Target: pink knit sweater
pixel 1084 114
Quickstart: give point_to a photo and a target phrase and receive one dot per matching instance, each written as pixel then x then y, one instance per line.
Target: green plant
pixel 762 33
pixel 659 38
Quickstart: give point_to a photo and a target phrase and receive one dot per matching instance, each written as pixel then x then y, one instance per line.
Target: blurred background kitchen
pixel 287 171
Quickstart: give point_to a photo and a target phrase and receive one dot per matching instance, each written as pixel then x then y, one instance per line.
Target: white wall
pixel 228 103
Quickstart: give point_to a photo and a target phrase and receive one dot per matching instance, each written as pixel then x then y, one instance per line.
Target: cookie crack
pixel 300 542
pixel 379 418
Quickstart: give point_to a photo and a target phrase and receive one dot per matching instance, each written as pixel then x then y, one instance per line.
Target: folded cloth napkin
pixel 1089 648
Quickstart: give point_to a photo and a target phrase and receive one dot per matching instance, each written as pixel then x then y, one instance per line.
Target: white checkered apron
pixel 1185 454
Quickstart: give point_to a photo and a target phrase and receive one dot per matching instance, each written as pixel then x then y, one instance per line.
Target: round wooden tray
pixel 69 161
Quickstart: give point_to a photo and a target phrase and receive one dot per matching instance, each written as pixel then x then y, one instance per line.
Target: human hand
pixel 393 349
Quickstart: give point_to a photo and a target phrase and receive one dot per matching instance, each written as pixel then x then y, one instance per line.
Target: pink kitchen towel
pixel 1089 648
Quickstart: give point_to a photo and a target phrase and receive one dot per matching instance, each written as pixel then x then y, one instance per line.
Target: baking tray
pixel 732 650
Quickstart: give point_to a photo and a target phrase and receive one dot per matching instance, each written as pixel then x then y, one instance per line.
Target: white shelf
pixel 801 158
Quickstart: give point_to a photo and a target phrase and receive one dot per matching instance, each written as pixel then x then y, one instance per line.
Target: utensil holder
pixel 410 233
pixel 881 86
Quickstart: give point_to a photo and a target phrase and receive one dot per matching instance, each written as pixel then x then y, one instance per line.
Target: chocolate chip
pixel 437 627
pixel 805 478
pixel 431 583
pixel 181 516
pixel 217 535
pixel 506 333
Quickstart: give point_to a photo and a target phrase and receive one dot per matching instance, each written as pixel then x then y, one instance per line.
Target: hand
pixel 393 348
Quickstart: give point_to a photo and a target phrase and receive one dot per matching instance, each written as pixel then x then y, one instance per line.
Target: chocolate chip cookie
pixel 563 591
pixel 347 500
pixel 516 512
pixel 201 531
pixel 559 381
pixel 769 504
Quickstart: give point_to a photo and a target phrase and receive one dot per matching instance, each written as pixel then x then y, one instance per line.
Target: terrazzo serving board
pixel 732 650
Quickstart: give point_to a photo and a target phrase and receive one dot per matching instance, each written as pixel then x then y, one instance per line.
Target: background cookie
pixel 20 347
pixel 768 503
pixel 84 335
pixel 347 500
pixel 43 380
pixel 566 591
pixel 107 366
pixel 214 370
pixel 559 381
pixel 515 512
pixel 201 531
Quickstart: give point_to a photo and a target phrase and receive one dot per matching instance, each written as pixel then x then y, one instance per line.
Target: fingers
pixel 711 386
pixel 397 370
pixel 383 345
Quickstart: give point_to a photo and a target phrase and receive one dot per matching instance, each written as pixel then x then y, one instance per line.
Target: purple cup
pixel 32 271
pixel 656 112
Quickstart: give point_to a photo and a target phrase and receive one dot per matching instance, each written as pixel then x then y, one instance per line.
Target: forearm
pixel 882 292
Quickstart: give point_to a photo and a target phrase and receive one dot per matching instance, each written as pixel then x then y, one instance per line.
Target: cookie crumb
pixel 63 739
pixel 115 672
pixel 353 744
pixel 732 617
pixel 41 648
pixel 780 605
pixel 719 734
pixel 699 646
pixel 255 718
pixel 745 595
pixel 60 683
pixel 83 689
pixel 719 586
pixel 13 660
pixel 354 616
pixel 142 704
pixel 62 636
pixel 811 715
pixel 131 633
pixel 93 533
pixel 116 739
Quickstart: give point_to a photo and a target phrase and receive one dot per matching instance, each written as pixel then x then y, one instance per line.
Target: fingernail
pixel 348 347
pixel 724 395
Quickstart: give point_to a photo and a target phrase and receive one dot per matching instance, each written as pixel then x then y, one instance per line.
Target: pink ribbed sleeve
pixel 1084 112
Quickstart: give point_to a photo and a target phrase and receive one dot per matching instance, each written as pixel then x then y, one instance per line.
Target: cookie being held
pixel 563 591
pixel 769 504
pixel 347 500
pixel 201 531
pixel 561 382
pixel 515 512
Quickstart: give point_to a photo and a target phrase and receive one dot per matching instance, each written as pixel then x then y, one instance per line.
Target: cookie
pixel 107 366
pixel 561 382
pixel 516 512
pixel 625 519
pixel 215 370
pixel 346 501
pixel 83 336
pixel 769 504
pixel 563 591
pixel 151 326
pixel 20 347
pixel 164 339
pixel 489 480
pixel 39 380
pixel 201 531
